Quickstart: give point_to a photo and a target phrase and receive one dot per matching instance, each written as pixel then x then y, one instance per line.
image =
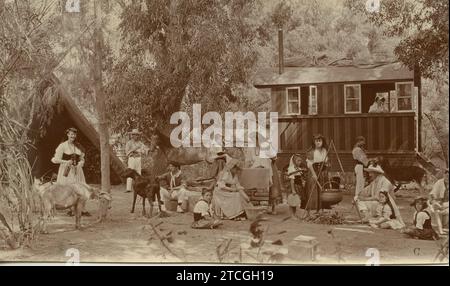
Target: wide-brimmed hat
pixel 134 132
pixel 421 199
pixel 374 169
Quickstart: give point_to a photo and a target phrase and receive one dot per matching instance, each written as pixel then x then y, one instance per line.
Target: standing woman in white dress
pixel 70 157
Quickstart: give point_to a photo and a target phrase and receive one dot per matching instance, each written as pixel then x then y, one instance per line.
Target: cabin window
pixel 404 93
pixel 352 93
pixel 312 106
pixel 293 100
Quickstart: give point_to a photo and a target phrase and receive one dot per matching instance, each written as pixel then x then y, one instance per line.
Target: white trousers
pixel 360 180
pixel 135 164
pixel 180 195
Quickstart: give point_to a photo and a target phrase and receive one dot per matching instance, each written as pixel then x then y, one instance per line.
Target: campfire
pixel 330 218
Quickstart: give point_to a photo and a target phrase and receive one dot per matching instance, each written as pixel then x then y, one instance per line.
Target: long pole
pixel 101 106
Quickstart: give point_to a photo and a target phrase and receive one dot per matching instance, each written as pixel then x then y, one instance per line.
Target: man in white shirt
pixel 134 150
pixel 438 202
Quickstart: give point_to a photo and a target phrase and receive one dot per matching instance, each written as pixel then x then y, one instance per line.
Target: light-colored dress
pixel 379 184
pixel 75 174
pixel 385 211
pixel 225 204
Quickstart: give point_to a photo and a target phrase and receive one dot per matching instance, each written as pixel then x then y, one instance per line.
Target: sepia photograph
pixel 224 132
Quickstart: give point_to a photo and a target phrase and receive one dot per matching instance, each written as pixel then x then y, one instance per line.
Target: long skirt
pixel 228 205
pixel 311 199
pixel 75 175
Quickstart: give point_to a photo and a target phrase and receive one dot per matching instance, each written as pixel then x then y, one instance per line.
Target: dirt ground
pixel 127 237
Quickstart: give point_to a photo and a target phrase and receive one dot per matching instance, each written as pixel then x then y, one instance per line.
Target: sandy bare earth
pixel 127 237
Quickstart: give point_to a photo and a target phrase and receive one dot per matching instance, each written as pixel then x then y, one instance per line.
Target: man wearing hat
pixel 361 160
pixel 367 201
pixel 379 105
pixel 134 149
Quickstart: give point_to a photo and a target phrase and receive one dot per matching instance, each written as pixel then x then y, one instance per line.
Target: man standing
pixel 361 160
pixel 134 150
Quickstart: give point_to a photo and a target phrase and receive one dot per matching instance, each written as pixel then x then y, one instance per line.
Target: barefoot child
pixel 387 214
pixel 295 172
pixel 202 214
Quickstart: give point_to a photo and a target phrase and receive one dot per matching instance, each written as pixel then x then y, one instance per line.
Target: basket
pixel 171 205
pixel 253 211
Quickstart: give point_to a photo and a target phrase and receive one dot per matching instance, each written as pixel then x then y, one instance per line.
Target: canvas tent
pixel 64 114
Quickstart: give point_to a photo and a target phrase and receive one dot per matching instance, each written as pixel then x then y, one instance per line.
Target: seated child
pixel 202 214
pixel 422 228
pixel 387 214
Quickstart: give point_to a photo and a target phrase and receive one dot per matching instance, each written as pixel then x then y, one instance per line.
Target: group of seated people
pixel 377 206
pixel 227 200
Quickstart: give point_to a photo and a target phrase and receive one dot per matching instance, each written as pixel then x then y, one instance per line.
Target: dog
pixel 146 187
pixel 401 175
pixel 64 196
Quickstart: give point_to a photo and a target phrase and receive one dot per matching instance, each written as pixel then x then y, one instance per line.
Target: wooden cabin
pixel 335 101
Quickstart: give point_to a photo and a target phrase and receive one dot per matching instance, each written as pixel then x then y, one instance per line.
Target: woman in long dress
pixel 317 163
pixel 229 198
pixel 70 157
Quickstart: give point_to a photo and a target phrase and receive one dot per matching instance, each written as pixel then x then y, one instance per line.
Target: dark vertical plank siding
pixel 331 97
pixel 392 134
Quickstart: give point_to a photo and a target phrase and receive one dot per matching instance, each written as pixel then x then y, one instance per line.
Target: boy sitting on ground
pixel 202 214
pixel 422 228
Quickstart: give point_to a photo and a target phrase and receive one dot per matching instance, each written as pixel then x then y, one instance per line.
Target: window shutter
pixel 393 100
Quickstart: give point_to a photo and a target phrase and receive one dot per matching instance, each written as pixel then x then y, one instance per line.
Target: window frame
pixel 411 83
pixel 311 87
pixel 289 101
pixel 345 99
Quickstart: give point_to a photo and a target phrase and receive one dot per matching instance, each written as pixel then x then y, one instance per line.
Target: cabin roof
pixel 332 74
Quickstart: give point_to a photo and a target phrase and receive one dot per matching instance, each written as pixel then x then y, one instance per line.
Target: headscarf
pixel 292 168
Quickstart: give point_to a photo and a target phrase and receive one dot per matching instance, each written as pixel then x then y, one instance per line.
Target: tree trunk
pixel 101 108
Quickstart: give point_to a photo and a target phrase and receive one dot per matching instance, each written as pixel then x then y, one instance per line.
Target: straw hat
pixel 374 169
pixel 134 132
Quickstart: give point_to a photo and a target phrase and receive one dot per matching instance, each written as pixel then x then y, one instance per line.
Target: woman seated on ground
pixel 229 198
pixel 202 214
pixel 387 213
pixel 422 228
